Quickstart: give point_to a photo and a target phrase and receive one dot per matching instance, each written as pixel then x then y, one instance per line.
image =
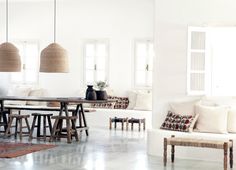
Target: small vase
pixel 101 95
pixel 90 93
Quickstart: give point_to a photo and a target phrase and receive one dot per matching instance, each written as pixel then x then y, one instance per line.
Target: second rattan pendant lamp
pixel 10 60
pixel 53 58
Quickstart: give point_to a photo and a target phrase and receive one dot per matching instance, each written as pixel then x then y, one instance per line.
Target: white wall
pixel 119 21
pixel 171 21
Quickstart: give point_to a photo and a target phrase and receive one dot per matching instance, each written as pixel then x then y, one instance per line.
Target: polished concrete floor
pixel 102 150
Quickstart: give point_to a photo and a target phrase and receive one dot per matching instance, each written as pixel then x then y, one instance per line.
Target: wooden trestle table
pixel 64 109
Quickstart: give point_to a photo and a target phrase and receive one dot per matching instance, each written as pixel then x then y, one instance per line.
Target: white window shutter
pixel 143 63
pixel 29 52
pixel 96 57
pixel 196 64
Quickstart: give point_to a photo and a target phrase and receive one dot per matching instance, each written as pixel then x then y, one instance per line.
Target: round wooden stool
pixel 59 132
pixel 46 117
pixel 117 120
pixel 18 119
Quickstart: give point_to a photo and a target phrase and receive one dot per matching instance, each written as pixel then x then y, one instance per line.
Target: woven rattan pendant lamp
pixel 53 58
pixel 9 55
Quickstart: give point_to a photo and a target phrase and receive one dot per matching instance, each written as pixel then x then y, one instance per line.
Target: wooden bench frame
pixel 190 142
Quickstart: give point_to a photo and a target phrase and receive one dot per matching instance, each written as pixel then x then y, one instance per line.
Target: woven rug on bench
pixel 12 150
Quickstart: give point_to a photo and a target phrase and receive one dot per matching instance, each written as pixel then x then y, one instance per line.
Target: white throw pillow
pixel 110 92
pixel 36 93
pixel 79 93
pixel 193 124
pixel 184 108
pixel 212 119
pixel 20 92
pixel 132 95
pixel 232 121
pixel 143 101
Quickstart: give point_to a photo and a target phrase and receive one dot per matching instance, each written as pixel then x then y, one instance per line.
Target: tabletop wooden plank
pixel 54 99
pixel 42 108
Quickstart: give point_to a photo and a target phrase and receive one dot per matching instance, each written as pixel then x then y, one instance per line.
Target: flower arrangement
pixel 101 85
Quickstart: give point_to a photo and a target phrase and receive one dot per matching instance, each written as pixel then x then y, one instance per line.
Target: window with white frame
pixel 29 52
pixel 143 64
pixel 196 73
pixel 96 55
pixel 211 61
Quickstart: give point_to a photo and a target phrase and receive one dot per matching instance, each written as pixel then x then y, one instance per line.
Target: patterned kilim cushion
pixel 177 122
pixel 109 105
pixel 121 102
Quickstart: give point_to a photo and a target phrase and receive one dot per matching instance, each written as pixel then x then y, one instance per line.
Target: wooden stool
pixel 46 117
pixel 138 121
pixel 70 131
pixel 3 120
pixel 117 120
pixel 18 122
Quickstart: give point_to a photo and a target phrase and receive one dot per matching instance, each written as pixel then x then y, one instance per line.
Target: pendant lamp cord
pixel 6 20
pixel 55 19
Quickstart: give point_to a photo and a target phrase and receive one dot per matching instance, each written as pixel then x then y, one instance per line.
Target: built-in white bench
pixel 155 139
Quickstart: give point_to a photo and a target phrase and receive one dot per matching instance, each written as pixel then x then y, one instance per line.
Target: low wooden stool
pixel 19 119
pixel 117 120
pixel 138 121
pixel 57 131
pixel 46 118
pixel 192 142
